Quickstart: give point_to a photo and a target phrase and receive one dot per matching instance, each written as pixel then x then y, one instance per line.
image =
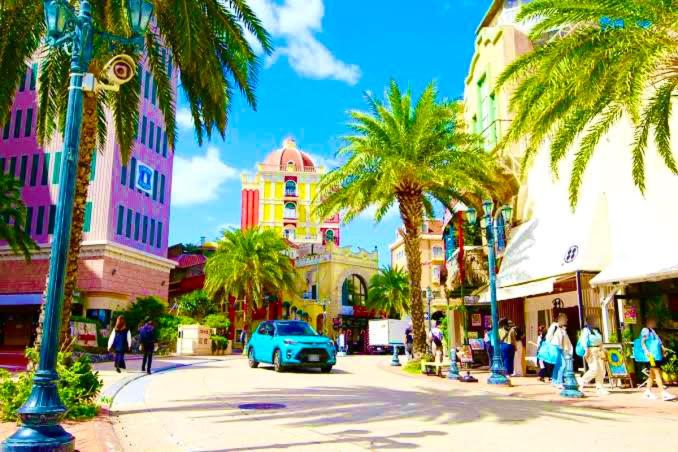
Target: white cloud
pixel 295 23
pixel 184 118
pixel 198 179
pixel 328 162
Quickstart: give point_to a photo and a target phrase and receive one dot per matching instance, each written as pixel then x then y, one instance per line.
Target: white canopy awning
pixel 658 265
pixel 520 291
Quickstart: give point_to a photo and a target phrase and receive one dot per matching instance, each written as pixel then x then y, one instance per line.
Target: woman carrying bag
pixel 648 349
pixel 555 347
pixel 590 347
pixel 120 341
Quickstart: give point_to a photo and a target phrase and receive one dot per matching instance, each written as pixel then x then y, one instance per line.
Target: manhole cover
pixel 261 406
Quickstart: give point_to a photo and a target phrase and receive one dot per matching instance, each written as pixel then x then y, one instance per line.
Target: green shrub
pixel 78 386
pixel 197 304
pixel 219 322
pixel 219 343
pixel 135 314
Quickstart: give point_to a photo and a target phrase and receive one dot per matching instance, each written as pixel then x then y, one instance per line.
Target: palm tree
pixel 207 40
pixel 13 217
pixel 614 59
pixel 389 291
pixel 249 264
pixel 410 155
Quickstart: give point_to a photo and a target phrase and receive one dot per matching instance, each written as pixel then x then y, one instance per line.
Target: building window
pixel 45 169
pixel 29 219
pixel 52 217
pixel 486 113
pixel 290 210
pixel 35 163
pixel 154 94
pixel 128 226
pixel 22 83
pixel 437 252
pixel 162 189
pixel 137 225
pixel 164 144
pixel 34 74
pixel 158 134
pixel 151 235
pixel 354 291
pixel 289 233
pixel 17 123
pixel 290 188
pixel 123 175
pixel 57 168
pixel 87 224
pixel 22 170
pixel 12 166
pixel 159 241
pixel 29 123
pixel 143 130
pixel 329 236
pixel 144 231
pixel 133 173
pixel 155 185
pixel 121 214
pixel 5 131
pixel 435 274
pixel 147 84
pixel 169 66
pixel 40 221
pixel 2 166
pixel 151 135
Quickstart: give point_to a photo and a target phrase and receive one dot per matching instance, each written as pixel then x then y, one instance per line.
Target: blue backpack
pixel 653 344
pixel 580 349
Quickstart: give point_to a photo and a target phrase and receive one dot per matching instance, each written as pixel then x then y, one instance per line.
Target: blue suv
pixel 290 343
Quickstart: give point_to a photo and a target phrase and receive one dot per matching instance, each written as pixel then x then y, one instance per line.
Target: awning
pixel 543 286
pixel 20 299
pixel 654 267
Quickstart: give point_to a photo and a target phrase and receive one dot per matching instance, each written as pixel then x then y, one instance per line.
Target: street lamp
pixel 497 370
pixel 40 415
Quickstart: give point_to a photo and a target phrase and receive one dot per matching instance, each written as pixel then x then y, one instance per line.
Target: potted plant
pixel 670 370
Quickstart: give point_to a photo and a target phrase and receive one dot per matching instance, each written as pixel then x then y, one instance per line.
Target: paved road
pixel 360 406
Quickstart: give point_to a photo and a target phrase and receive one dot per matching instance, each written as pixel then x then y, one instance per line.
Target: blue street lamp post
pixel 41 413
pixel 497 369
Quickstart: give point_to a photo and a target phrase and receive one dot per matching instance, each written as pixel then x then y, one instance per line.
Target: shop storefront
pixel 19 314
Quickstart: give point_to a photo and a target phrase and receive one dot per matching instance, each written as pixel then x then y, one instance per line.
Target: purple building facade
pixel 126 224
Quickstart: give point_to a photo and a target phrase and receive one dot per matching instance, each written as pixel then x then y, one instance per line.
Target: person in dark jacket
pixel 120 342
pixel 147 339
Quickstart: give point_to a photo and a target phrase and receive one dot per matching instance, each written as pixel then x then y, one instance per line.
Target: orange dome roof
pixel 289 155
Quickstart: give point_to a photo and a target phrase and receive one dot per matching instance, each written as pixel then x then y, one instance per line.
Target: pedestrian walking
pixel 649 350
pixel 519 354
pixel 487 339
pixel 147 339
pixel 507 345
pixel 120 342
pixel 590 347
pixel 544 367
pixel 561 348
pixel 437 342
pixel 409 342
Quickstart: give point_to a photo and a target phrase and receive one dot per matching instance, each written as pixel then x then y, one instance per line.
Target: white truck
pixel 387 332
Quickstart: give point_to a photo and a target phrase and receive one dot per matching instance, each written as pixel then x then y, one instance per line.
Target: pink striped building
pixel 126 218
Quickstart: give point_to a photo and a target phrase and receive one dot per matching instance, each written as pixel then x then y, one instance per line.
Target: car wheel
pixel 250 358
pixel 326 369
pixel 277 362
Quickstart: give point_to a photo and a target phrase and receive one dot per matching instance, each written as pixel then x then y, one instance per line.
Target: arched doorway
pixel 354 291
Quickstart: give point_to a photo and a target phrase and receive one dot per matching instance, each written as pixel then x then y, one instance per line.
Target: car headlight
pixel 290 342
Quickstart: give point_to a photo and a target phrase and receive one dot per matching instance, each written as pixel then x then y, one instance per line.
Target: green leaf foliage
pixel 197 304
pixel 151 307
pixel 78 386
pixel 389 291
pixel 250 264
pixel 167 328
pixel 13 217
pixel 611 59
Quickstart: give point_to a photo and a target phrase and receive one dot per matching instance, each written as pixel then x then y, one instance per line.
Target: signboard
pixel 476 344
pixel 312 260
pixel 85 334
pixel 465 354
pixel 473 335
pixel 471 299
pixel 630 313
pixel 144 180
pixel 476 319
pixel 616 363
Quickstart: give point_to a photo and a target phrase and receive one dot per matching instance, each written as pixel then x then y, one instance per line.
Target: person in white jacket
pixel 120 341
pixel 592 341
pixel 557 336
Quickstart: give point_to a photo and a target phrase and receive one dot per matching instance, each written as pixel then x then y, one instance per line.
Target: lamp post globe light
pixel 41 414
pixel 497 370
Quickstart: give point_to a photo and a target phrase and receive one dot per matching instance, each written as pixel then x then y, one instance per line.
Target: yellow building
pixel 333 285
pixel 281 196
pixel 432 261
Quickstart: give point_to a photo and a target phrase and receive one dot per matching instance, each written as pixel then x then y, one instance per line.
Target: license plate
pixel 314 358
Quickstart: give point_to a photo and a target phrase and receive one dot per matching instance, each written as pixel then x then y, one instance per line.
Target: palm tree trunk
pixel 411 211
pixel 87 145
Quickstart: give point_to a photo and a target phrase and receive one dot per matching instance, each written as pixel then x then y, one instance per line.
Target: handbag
pixel 654 346
pixel 549 353
pixel 580 350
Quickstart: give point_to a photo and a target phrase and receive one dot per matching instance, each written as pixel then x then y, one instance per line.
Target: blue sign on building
pixel 144 178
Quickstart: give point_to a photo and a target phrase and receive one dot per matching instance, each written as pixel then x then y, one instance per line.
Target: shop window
pixel 102 315
pixel 437 252
pixel 436 274
pixel 354 291
pixel 290 210
pixel 290 188
pixel 329 236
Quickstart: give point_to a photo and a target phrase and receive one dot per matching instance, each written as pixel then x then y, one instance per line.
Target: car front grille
pixel 303 355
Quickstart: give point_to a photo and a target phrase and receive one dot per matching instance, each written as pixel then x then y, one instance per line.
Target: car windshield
pixel 295 329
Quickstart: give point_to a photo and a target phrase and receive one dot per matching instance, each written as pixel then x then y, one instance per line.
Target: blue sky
pixel 328 53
